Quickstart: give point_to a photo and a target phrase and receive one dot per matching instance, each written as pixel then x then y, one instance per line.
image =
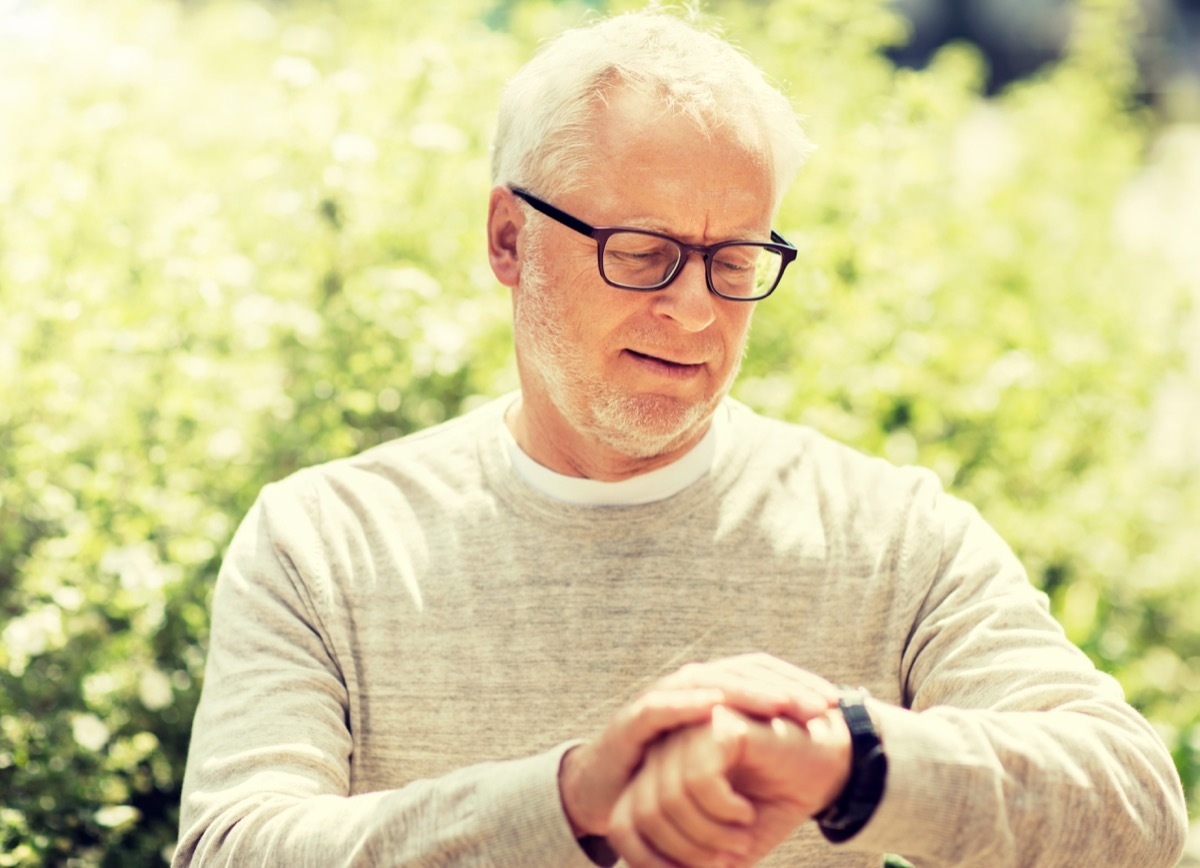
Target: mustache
pixel 653 342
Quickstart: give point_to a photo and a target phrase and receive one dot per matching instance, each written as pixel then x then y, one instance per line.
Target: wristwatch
pixel 850 811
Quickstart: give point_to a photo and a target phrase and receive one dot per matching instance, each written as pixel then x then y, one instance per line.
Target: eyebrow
pixel 653 224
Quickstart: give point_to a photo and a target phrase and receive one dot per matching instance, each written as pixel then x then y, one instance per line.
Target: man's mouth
pixel 667 369
pixel 668 363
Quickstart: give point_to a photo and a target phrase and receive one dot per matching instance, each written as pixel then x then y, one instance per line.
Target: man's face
pixel 637 373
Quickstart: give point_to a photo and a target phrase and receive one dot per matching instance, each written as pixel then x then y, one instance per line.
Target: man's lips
pixel 678 363
pixel 666 369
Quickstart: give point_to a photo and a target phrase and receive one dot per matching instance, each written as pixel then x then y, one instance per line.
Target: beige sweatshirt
pixel 404 643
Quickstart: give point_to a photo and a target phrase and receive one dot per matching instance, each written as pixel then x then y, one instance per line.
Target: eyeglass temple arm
pixel 586 228
pixel 554 214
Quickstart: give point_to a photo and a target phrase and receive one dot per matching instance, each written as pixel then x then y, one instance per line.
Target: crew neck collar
pixel 655 485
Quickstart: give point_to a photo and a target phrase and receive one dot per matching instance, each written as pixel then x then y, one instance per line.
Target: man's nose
pixel 687 299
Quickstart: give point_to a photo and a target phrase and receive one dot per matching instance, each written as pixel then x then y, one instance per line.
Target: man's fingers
pixel 722 804
pixel 639 854
pixel 812 695
pixel 624 834
pixel 656 822
pixel 658 712
pixel 746 690
pixel 689 772
pixel 592 777
pixel 712 793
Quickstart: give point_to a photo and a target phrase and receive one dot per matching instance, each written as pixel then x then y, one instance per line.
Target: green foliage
pixel 971 299
pixel 236 239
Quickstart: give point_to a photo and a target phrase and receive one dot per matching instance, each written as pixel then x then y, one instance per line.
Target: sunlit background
pixel 240 237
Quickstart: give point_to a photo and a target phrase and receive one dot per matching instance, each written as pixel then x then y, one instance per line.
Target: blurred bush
pixel 237 238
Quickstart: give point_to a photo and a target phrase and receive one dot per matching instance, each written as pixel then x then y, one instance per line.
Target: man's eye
pixel 735 264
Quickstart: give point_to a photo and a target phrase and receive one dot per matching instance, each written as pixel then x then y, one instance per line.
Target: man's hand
pixel 593 775
pixel 727 792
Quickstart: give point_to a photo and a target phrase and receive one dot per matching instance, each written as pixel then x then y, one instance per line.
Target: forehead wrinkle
pixel 746 230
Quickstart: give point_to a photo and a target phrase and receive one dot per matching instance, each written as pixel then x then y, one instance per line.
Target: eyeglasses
pixel 646 261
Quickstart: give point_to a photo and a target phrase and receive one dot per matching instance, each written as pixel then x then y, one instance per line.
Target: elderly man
pixel 478 645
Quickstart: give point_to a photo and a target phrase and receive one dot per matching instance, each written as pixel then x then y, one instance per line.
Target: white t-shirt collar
pixel 648 487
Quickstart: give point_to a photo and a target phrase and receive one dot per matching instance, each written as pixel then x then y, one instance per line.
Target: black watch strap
pixel 843 819
pixel 598 850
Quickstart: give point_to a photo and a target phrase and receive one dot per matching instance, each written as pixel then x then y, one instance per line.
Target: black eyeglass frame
pixel 600 234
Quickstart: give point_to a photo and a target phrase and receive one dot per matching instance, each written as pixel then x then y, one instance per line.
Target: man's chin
pixel 647 426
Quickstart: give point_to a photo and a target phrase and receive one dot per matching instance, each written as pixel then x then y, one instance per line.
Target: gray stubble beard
pixel 639 426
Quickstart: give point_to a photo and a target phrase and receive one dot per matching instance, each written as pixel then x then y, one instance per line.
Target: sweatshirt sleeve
pixel 1009 747
pixel 268 777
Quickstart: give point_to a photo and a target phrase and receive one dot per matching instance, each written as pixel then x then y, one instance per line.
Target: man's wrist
pixel 844 764
pixel 863 790
pixel 568 788
pixel 595 847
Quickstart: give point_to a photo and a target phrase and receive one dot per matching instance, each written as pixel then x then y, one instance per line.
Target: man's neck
pixel 576 454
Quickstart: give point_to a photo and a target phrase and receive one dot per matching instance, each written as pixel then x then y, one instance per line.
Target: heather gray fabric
pixel 404 644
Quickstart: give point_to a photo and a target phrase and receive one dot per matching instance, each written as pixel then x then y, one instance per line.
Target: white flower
pixel 89 731
pixel 113 816
pixel 154 690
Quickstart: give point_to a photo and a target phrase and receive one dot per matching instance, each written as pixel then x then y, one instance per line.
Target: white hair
pixel 543 132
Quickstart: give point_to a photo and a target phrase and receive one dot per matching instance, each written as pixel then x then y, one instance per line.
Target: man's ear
pixel 505 220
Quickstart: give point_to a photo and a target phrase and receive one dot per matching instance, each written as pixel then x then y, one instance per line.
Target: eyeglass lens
pixel 642 261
